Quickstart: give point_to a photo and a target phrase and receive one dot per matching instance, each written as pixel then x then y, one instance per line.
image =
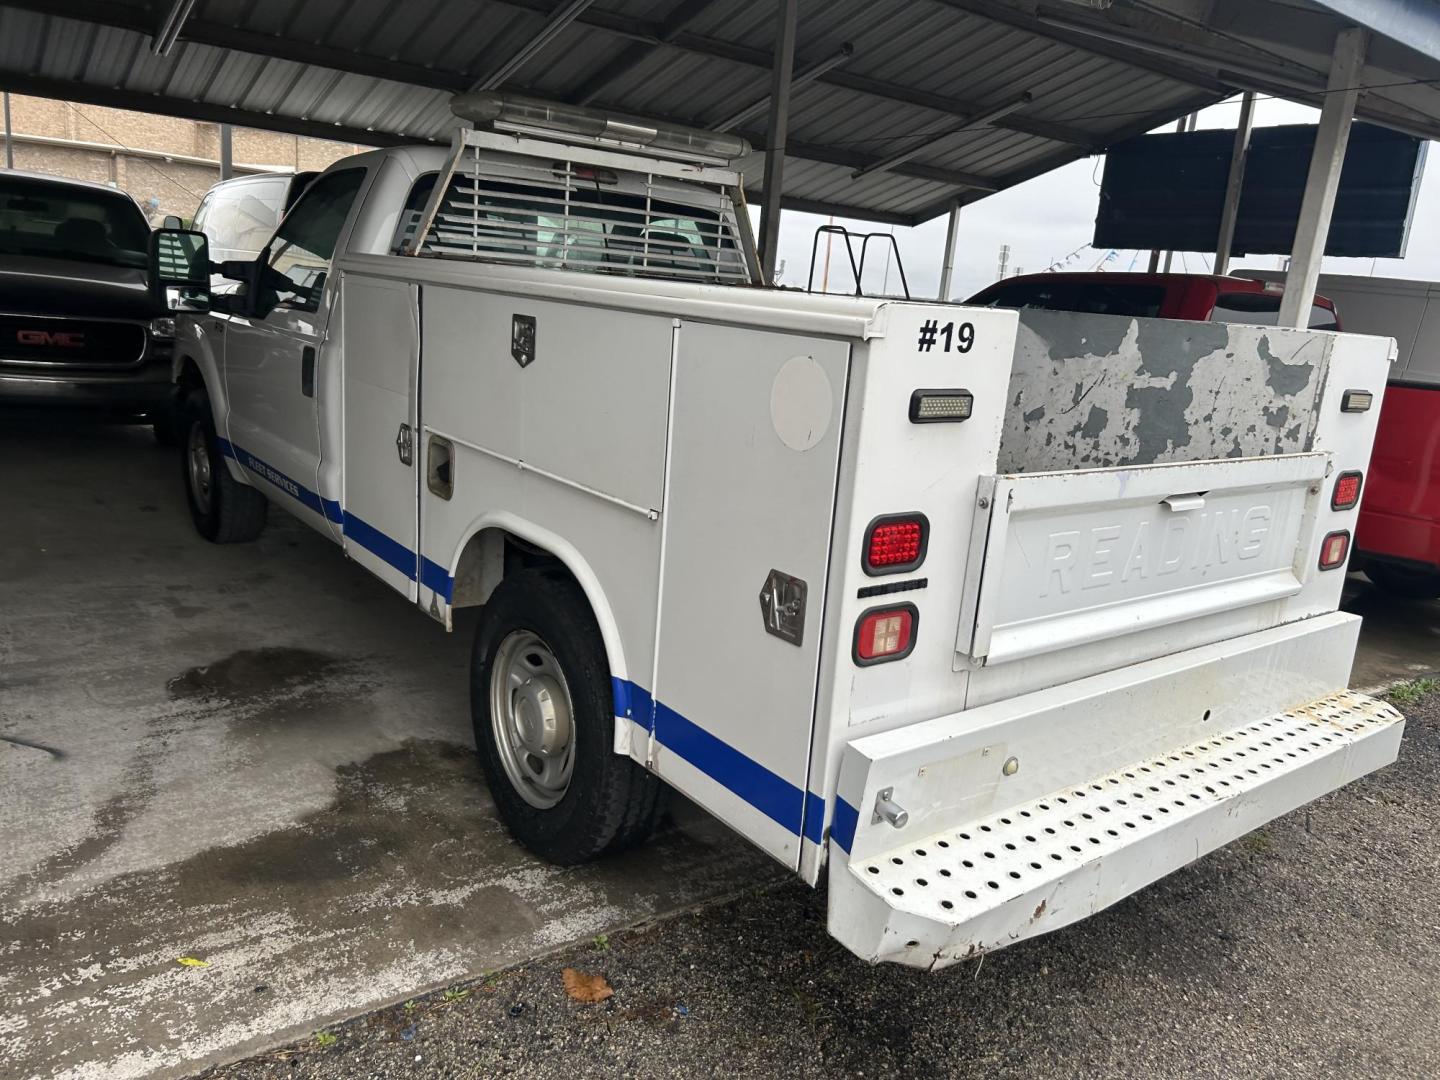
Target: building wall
pixel 175 186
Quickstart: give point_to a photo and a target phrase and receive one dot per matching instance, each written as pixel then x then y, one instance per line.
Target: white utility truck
pixel 994 621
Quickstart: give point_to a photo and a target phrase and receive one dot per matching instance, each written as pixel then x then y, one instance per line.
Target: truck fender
pixel 198 340
pixel 569 556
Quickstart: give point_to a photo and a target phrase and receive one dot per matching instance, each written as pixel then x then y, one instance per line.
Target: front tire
pixel 224 510
pixel 543 709
pixel 1403 581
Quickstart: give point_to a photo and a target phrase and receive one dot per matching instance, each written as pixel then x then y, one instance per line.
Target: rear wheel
pixel 543 710
pixel 1403 581
pixel 224 510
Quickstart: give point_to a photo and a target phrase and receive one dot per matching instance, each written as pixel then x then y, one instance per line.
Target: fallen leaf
pixel 190 961
pixel 586 988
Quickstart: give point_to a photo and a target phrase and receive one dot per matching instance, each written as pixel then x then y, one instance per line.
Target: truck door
pixel 381 332
pixel 272 354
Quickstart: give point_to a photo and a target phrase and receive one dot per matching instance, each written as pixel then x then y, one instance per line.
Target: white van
pixel 239 216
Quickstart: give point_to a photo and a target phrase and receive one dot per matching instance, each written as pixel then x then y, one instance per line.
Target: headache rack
pixel 529 201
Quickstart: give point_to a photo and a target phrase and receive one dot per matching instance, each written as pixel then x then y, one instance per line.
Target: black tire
pixel 164 424
pixel 1403 581
pixel 233 512
pixel 611 802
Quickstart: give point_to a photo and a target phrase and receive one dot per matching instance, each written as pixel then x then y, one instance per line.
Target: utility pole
pixel 1004 262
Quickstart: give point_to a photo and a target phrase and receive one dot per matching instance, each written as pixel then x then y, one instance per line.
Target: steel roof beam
pixel 686 12
pixel 123 17
pixel 824 208
pixel 1019 19
pixel 809 75
pixel 849 159
pixel 658 34
pixel 1049 162
pixel 554 26
pixel 170 27
pixel 647 35
pixel 925 142
pixel 139 101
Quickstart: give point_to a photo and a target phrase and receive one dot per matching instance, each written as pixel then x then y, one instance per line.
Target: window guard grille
pixel 530 202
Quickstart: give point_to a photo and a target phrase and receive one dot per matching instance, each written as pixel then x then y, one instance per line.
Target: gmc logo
pixel 60 339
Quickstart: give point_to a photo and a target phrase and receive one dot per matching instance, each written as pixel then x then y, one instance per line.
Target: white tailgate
pixel 1066 558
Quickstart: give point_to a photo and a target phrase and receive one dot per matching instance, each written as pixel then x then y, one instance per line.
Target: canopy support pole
pixel 781 76
pixel 1347 64
pixel 947 265
pixel 227 153
pixel 1235 184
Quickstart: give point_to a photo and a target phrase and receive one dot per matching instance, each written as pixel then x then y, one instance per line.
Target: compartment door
pixel 382 357
pixel 1070 558
pixel 755 436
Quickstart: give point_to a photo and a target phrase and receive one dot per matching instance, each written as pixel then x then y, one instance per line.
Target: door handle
pixel 404 445
pixel 1182 503
pixel 307 371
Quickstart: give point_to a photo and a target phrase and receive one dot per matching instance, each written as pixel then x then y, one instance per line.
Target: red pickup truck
pixel 1198 297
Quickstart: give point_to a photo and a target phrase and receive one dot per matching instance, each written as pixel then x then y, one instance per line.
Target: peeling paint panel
pixel 1096 391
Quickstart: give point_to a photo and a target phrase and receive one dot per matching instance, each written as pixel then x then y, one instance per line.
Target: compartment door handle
pixel 1181 503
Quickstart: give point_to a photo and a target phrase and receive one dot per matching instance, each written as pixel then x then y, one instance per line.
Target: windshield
pixel 59 221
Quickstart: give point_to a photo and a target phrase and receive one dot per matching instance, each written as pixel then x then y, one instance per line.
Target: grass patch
pixel 1408 693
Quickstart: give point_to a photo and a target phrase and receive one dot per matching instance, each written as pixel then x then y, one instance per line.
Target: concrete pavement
pixel 254 756
pixel 259 758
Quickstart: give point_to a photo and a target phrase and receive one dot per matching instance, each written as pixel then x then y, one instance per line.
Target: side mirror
pixel 179 259
pixel 172 221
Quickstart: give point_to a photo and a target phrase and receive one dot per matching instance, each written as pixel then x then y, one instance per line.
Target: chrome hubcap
pixel 197 454
pixel 532 719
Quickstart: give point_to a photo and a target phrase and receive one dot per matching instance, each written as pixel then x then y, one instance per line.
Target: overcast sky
pixel 1052 217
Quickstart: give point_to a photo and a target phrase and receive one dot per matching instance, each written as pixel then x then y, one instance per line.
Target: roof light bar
pixel 514 111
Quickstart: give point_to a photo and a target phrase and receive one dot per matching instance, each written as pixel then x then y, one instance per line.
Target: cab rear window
pixel 1092 298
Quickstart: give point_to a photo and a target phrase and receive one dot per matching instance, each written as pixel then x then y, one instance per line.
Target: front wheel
pixel 224 510
pixel 1403 581
pixel 543 710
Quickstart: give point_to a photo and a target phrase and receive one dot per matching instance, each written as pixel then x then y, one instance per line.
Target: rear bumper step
pixel 939 898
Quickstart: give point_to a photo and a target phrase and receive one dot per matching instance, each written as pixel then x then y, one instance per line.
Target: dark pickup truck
pixel 80 325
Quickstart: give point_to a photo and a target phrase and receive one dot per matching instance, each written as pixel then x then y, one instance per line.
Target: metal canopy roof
pixel 898 107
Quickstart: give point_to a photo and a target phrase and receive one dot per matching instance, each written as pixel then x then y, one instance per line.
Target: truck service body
pixel 872 581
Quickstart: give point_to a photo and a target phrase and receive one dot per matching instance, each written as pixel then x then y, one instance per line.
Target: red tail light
pixel 1334 550
pixel 885 634
pixel 895 543
pixel 1347 491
